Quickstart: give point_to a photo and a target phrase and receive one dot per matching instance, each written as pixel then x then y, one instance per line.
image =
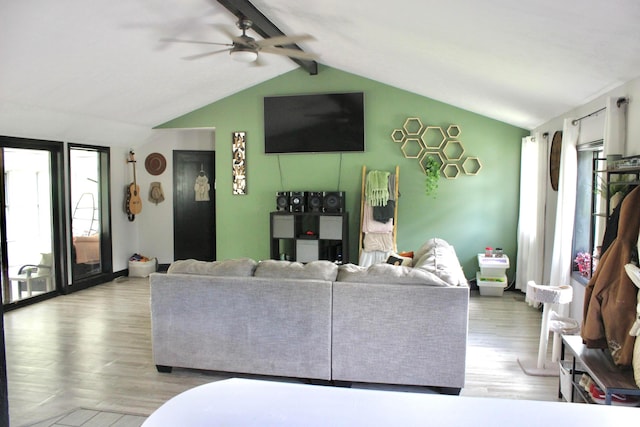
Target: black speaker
pixel 282 200
pixel 314 201
pixel 297 201
pixel 333 201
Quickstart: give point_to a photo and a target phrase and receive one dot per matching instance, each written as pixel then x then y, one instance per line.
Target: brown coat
pixel 610 297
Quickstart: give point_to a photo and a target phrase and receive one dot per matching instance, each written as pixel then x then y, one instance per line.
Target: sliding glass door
pixel 89 212
pixel 85 212
pixel 41 253
pixel 30 194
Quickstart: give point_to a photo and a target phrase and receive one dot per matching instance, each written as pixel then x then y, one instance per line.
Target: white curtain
pixel 533 193
pixel 615 127
pixel 562 258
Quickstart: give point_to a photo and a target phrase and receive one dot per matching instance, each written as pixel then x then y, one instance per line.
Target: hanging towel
pixel 377 188
pixel 384 213
pixel 369 225
pixel 392 187
pixel 378 242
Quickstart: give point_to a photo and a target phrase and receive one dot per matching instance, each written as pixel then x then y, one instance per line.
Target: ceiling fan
pixel 245 48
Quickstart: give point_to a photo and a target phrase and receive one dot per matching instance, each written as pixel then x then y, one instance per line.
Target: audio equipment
pixel 282 201
pixel 314 201
pixel 333 201
pixel 297 201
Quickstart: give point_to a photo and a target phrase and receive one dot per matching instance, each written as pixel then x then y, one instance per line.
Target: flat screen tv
pixel 314 123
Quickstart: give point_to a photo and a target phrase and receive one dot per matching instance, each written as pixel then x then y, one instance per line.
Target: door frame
pixel 177 182
pixel 59 227
pixel 104 192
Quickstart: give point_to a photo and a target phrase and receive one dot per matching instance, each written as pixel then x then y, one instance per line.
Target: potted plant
pixel 432 172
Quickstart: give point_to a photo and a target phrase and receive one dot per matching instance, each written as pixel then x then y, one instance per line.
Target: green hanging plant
pixel 432 171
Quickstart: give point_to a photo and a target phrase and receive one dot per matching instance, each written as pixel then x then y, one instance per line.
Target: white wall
pixel 124 233
pixel 630 90
pixel 153 233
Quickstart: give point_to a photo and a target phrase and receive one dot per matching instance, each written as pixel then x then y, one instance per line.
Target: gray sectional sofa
pixel 382 324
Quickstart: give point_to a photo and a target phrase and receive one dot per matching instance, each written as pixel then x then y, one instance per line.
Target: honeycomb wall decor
pixel 418 141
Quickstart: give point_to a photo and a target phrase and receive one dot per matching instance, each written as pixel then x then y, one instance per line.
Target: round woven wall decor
pixel 554 159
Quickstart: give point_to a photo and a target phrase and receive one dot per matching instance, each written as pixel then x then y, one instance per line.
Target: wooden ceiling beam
pixel 265 28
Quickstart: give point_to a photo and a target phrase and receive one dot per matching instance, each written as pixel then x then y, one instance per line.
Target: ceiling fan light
pixel 244 55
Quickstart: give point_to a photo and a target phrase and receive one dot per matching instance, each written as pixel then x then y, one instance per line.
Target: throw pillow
pixel 241 267
pixel 313 270
pixel 440 259
pixel 387 274
pixel 428 246
pixel 397 259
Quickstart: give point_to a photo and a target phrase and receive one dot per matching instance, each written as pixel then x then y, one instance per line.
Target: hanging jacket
pixel 610 296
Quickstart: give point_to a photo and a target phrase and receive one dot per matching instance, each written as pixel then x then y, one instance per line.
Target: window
pixel 590 218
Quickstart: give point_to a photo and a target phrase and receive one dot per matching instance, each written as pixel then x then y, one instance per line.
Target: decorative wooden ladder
pixel 395 213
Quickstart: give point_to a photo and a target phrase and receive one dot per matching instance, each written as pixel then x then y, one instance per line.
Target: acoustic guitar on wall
pixel 133 203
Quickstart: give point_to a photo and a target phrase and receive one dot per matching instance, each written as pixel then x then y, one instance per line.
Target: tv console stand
pixel 310 236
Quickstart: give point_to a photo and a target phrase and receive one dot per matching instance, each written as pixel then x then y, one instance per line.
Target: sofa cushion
pixel 439 257
pixel 314 270
pixel 428 246
pixel 242 267
pixel 387 273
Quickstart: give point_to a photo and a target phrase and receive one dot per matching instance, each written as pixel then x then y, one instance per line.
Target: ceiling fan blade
pixel 284 40
pixel 202 55
pixel 292 53
pixel 194 41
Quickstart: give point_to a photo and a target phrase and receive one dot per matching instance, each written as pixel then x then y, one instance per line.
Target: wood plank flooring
pixel 91 418
pixel 92 349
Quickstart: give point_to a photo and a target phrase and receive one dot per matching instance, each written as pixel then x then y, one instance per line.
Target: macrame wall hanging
pixel 239 163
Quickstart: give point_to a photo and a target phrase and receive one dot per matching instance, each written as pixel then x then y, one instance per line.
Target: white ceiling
pixel 95 71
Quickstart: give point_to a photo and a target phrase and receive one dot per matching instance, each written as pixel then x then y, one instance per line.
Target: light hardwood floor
pixel 92 349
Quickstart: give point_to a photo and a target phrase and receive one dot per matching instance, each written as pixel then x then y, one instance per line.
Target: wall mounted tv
pixel 314 123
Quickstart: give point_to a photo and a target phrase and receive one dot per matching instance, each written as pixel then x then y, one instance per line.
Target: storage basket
pixel 142 268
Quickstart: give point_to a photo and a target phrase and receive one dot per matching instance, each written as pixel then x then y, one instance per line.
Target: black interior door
pixel 194 210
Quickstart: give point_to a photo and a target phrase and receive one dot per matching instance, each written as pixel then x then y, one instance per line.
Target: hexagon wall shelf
pixel 471 166
pixel 453 150
pixel 419 141
pixel 436 156
pixel 413 126
pixel 451 170
pixel 398 135
pixel 454 131
pixel 433 137
pixel 412 148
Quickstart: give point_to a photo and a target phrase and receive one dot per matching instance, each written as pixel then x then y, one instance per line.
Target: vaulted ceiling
pixel 97 70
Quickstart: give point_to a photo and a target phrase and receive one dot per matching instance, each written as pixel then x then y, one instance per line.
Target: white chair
pixel 551 321
pixel 34 277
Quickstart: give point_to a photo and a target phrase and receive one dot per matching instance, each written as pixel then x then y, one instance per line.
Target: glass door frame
pixel 59 237
pixel 104 193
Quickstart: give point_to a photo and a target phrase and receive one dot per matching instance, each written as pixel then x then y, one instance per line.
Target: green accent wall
pixel 470 212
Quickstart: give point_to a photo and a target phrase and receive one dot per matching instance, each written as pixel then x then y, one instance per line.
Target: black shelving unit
pixel 604 182
pixel 310 236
